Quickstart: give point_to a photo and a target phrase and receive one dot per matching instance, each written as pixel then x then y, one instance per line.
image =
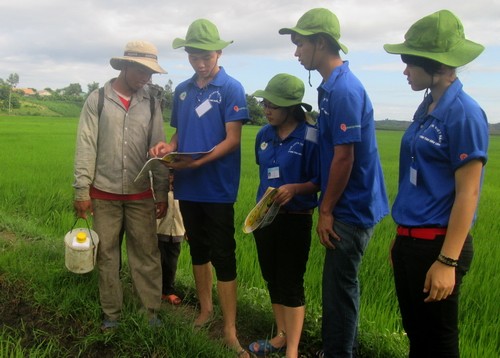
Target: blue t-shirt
pixel 432 149
pixel 346 117
pixel 200 116
pixel 292 160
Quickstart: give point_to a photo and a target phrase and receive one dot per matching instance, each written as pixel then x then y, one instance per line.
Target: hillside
pixel 34 107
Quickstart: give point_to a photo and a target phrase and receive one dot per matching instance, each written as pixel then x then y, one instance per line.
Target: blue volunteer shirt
pixel 432 149
pixel 292 160
pixel 200 116
pixel 346 117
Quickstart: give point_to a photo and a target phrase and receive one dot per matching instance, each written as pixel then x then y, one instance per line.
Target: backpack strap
pixel 100 102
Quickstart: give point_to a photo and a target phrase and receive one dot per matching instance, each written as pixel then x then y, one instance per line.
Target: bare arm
pixel 340 172
pixel 440 279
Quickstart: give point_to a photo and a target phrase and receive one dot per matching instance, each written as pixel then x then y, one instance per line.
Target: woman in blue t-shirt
pixel 441 165
pixel 286 151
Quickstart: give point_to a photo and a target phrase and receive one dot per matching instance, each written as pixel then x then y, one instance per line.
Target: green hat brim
pixel 212 46
pixel 459 56
pixel 296 30
pixel 281 102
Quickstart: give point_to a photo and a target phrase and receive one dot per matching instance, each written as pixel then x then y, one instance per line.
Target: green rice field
pixel 36 156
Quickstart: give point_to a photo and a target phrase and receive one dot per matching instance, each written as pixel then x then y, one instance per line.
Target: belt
pixel 303 212
pixel 424 233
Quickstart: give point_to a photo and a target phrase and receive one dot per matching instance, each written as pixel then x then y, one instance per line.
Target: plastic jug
pixel 80 249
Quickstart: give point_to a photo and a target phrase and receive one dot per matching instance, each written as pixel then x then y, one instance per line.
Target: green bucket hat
pixel 439 37
pixel 317 21
pixel 203 35
pixel 284 90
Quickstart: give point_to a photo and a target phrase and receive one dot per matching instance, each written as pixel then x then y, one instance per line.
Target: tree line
pixel 11 99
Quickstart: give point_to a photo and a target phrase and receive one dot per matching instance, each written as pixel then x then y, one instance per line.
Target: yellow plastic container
pixel 80 250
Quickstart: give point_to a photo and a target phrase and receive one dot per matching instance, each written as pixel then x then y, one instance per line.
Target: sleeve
pixel 86 148
pixel 236 104
pixel 346 112
pixel 467 132
pixel 160 172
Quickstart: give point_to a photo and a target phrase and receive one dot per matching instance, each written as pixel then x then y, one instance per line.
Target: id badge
pixel 203 108
pixel 413 175
pixel 273 173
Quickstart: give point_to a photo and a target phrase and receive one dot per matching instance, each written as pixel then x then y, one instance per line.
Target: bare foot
pixel 203 319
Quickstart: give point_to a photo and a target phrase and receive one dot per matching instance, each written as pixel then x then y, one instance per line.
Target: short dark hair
pixel 430 66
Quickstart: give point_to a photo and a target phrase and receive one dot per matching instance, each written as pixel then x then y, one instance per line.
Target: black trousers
pixel 432 328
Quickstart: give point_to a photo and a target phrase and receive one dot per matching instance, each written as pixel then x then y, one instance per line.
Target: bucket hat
pixel 439 37
pixel 284 90
pixel 317 21
pixel 203 35
pixel 142 52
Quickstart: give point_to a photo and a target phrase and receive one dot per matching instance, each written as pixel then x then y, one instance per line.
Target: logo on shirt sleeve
pixel 463 156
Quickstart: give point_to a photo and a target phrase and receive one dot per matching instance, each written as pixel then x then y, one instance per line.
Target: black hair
pixel 432 67
pixel 297 112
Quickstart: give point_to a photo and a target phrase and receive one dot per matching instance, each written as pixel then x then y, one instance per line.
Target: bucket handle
pixel 88 227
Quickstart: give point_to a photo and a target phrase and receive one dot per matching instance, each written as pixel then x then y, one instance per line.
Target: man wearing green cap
pixel 353 198
pixel 442 156
pixel 208 112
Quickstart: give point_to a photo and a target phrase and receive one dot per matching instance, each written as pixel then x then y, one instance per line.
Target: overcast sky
pixel 52 43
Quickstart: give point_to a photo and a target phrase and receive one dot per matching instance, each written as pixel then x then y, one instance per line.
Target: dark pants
pixel 432 328
pixel 170 252
pixel 283 250
pixel 341 290
pixel 210 229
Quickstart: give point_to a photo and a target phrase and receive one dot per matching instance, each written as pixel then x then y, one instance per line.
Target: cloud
pixel 52 43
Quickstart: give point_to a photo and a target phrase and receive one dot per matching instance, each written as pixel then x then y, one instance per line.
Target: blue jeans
pixel 341 289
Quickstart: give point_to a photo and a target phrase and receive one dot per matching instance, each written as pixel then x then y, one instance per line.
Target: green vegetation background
pixel 36 204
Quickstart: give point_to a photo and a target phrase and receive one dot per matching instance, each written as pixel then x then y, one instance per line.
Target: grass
pixel 36 204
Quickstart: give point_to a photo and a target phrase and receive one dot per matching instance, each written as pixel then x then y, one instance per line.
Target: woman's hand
pixel 439 282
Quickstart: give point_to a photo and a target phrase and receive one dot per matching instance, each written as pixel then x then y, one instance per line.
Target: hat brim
pixel 213 46
pixel 281 102
pixel 118 62
pixel 459 56
pixel 296 30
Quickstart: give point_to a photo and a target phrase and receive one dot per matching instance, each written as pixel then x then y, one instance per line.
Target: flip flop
pixel 172 299
pixel 265 347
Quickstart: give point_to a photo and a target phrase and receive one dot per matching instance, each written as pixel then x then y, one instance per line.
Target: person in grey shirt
pixel 111 149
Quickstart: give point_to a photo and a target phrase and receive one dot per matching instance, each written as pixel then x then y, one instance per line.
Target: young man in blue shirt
pixel 208 112
pixel 353 197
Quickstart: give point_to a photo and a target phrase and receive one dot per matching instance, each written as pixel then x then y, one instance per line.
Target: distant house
pixel 44 93
pixel 26 91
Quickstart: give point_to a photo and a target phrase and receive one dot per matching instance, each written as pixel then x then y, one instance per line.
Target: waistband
pixel 423 233
pixel 302 212
pixel 103 195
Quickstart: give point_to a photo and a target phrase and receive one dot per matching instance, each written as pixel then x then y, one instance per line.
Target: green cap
pixel 439 37
pixel 284 90
pixel 317 21
pixel 203 35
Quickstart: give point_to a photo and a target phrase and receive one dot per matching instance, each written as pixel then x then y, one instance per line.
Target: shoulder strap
pixel 100 102
pixel 152 105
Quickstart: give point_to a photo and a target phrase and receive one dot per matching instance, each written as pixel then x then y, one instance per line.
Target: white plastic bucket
pixel 80 259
